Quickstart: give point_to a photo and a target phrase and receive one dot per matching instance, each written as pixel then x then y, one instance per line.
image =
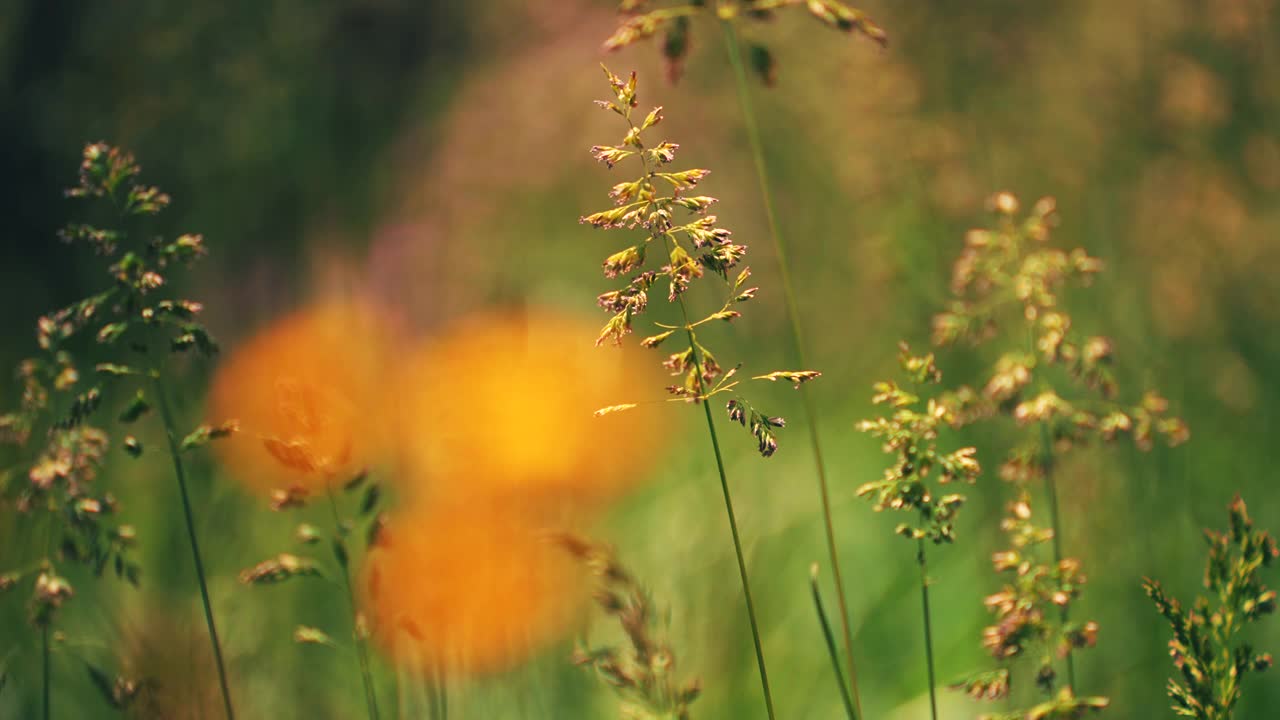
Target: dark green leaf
pixel 763 64
pixel 136 408
pixel 355 482
pixel 371 498
pixel 340 553
pixel 104 684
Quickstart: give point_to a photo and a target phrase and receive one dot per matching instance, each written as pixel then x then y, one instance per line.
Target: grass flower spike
pixel 692 243
pixel 642 19
pixel 1057 384
pixel 644 675
pixel 1212 661
pixel 136 328
pixel 671 23
pixel 911 433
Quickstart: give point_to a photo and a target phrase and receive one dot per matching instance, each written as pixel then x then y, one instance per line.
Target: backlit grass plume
pixel 1031 621
pixel 1211 659
pixel 910 433
pixel 671 23
pixel 644 674
pixel 1056 384
pixel 136 328
pixel 676 227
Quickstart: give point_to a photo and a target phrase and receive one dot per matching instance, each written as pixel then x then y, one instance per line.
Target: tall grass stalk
pixel 357 637
pixel 832 651
pixel 44 673
pixel 1051 489
pixel 728 508
pixel 928 627
pixel 797 335
pixel 180 474
pixel 637 203
pixel 46 679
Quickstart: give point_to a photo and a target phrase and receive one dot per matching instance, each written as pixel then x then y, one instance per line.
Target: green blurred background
pixel 436 153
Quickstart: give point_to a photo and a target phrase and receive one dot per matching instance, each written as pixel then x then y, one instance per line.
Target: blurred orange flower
pixel 309 393
pixel 476 588
pixel 505 402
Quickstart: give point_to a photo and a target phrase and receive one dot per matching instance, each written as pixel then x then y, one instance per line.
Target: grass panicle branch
pixel 910 432
pixel 60 398
pixel 1212 661
pixel 644 675
pixel 1060 387
pixel 694 247
pixel 287 566
pixel 672 21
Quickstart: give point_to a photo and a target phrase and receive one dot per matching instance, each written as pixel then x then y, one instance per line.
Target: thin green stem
pixel 928 628
pixel 797 337
pixel 362 650
pixel 180 473
pixel 733 520
pixel 1051 489
pixel 831 643
pixel 46 673
pixel 442 694
pixel 44 659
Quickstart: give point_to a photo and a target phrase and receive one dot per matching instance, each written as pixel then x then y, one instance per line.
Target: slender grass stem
pixel 831 643
pixel 733 520
pixel 928 628
pixel 442 694
pixel 742 565
pixel 1051 489
pixel 180 474
pixel 46 696
pixel 46 671
pixel 797 337
pixel 362 649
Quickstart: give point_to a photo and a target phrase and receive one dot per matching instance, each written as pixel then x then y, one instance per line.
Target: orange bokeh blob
pixel 309 393
pixel 474 588
pixel 504 402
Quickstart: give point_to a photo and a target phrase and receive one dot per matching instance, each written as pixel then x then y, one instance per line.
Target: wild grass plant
pixel 645 674
pixel 678 228
pixel 1058 386
pixel 137 330
pixel 672 23
pixel 1211 658
pixel 911 433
